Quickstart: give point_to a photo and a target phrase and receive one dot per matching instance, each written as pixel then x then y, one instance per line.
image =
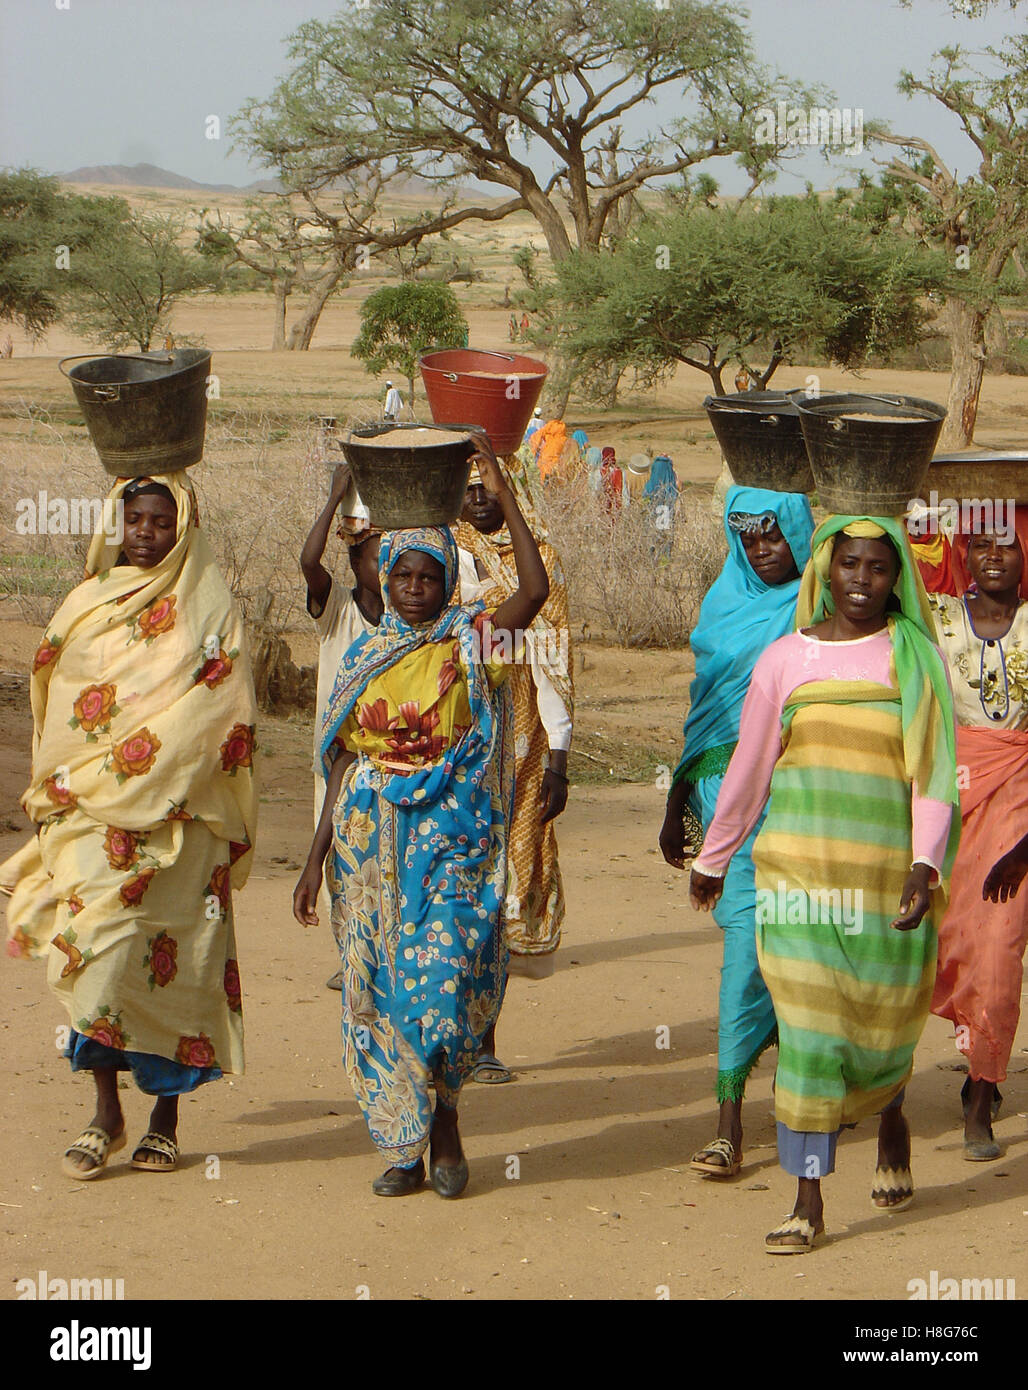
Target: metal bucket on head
pixel 145 412
pixel 760 437
pixel 500 389
pixel 869 454
pixel 422 482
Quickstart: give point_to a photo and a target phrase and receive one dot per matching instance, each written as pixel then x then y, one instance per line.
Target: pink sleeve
pixel 930 830
pixel 747 783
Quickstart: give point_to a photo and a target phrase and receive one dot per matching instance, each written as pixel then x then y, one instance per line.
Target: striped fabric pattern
pixel 850 992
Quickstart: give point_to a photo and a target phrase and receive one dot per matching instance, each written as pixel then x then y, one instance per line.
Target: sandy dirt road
pixel 580 1185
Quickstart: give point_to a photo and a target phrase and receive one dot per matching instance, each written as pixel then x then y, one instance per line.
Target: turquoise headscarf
pixel 662 485
pixel 581 438
pixel 739 619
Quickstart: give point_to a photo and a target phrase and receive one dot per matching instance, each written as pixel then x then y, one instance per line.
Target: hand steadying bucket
pixel 145 412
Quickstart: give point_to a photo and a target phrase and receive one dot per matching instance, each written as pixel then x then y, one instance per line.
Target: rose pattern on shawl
pixel 219 887
pixel 233 991
pixel 105 1029
pixel 178 812
pixel 237 750
pixel 75 904
pixel 65 943
pixel 49 650
pixel 131 892
pixel 237 848
pixel 216 669
pixel 156 618
pixel 94 709
pixel 19 945
pixel 135 756
pixel 162 958
pixel 121 848
pixel 195 1051
pixel 60 795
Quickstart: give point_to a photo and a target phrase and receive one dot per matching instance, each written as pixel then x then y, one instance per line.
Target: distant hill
pixel 151 176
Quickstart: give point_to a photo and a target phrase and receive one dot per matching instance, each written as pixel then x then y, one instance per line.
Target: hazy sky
pixel 127 81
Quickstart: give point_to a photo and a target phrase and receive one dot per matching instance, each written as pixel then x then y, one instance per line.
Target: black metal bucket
pixel 146 413
pixel 760 437
pixel 872 466
pixel 424 484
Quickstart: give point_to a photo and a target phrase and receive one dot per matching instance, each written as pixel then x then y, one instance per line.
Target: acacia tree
pixel 711 286
pixel 399 322
pixel 480 89
pixel 128 272
pixel 979 221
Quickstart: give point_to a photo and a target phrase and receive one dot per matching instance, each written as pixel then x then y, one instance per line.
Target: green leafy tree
pixel 400 322
pixel 30 211
pixel 707 287
pixel 979 221
pixel 501 91
pixel 129 273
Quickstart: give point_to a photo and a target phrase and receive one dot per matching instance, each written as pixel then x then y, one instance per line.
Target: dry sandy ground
pixel 600 1120
pixel 598 1127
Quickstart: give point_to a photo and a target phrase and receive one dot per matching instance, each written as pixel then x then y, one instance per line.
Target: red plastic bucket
pixel 497 390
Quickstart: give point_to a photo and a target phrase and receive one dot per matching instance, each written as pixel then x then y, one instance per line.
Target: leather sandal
pixel 725 1147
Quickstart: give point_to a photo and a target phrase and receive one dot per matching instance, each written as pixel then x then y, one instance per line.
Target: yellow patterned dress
pixel 143 795
pixel 535 890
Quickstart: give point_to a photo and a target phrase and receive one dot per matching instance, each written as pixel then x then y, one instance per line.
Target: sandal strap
pixel 158 1143
pixel 890 1180
pixel 794 1225
pixel 93 1142
pixel 725 1147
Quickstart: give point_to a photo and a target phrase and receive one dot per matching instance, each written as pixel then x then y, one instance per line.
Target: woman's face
pixel 995 566
pixel 862 574
pixel 769 555
pixel 482 509
pixel 151 523
pixel 417 588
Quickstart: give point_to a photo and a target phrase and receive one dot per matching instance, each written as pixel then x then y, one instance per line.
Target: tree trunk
pixel 965 328
pixel 278 337
pixel 302 331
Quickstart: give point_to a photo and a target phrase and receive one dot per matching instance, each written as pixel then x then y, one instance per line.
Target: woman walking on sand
pixel 418 828
pixel 846 736
pixel 143 794
pixel 984 638
pixel 751 604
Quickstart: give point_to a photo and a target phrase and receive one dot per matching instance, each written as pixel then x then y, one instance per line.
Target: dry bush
pixel 255 510
pixel 622 576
